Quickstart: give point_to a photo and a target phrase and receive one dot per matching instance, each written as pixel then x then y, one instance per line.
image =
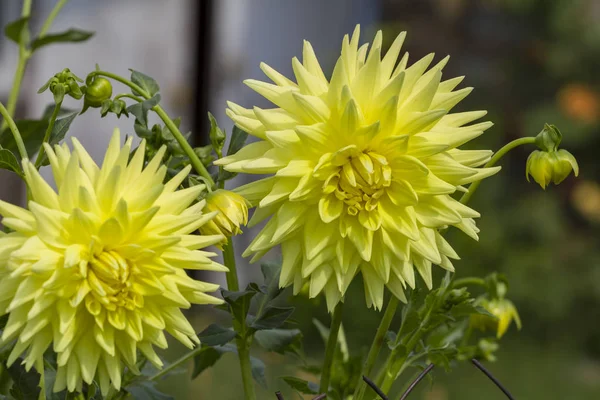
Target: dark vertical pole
pixel 204 32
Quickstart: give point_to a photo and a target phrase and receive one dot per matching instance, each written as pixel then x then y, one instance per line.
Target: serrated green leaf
pixel 239 302
pixel 258 371
pixel 208 356
pixel 59 130
pixel 25 384
pixel 301 385
pixel 72 35
pixel 148 84
pixel 140 110
pixel 14 29
pixel 238 139
pixel 272 317
pixel 278 340
pixel 216 335
pixel 142 389
pixel 9 161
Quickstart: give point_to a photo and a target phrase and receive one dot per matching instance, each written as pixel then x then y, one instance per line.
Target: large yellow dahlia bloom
pixel 364 168
pixel 97 269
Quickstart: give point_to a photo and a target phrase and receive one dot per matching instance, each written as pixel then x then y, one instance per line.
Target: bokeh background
pixel 531 62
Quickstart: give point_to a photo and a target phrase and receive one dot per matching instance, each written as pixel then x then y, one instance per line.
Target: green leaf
pixel 9 161
pixel 32 132
pixel 238 139
pixel 145 82
pixel 59 130
pixel 25 384
pixel 71 36
pixel 216 335
pixel 239 302
pixel 142 389
pixel 140 110
pixel 278 340
pixel 209 356
pixel 14 29
pixel 301 385
pixel 272 317
pixel 258 371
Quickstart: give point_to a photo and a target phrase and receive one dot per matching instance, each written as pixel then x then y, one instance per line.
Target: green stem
pixel 50 19
pixel 470 281
pixel 229 261
pixel 244 338
pixel 495 158
pixel 15 131
pixel 176 363
pixel 334 330
pixel 378 341
pixel 24 55
pixel 40 156
pixel 128 95
pixel 189 151
pixel 396 363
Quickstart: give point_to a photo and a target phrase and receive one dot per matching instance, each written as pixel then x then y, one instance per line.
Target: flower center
pixel 109 279
pixel 359 181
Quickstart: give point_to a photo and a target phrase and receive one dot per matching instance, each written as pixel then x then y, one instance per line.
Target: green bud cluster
pixel 64 83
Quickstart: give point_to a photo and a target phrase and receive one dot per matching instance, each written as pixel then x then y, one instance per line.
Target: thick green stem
pixel 334 330
pixel 189 151
pixel 40 156
pixel 15 131
pixel 24 55
pixel 229 261
pixel 378 341
pixel 495 158
pixel 176 363
pixel 244 338
pixel 470 281
pixel 50 19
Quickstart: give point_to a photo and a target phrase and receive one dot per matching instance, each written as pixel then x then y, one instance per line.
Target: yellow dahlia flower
pixel 232 212
pixel 364 167
pixel 97 268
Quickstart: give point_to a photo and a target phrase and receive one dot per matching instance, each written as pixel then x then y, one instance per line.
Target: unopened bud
pixel 232 213
pixel 546 167
pixel 502 311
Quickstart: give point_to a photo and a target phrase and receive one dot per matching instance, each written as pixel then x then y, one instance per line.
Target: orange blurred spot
pixel 586 199
pixel 579 102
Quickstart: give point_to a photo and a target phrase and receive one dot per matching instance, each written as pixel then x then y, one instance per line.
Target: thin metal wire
pixel 416 381
pixel 492 378
pixel 375 388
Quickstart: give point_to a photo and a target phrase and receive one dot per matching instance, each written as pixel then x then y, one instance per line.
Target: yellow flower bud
pixel 232 213
pixel 546 167
pixel 503 311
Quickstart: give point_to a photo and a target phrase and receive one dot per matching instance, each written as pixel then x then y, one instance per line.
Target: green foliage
pixel 33 131
pixel 140 110
pixel 70 36
pixel 9 162
pixel 148 84
pixel 15 29
pixel 301 385
pixel 216 335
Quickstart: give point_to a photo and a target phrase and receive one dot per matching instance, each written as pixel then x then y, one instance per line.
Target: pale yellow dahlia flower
pixel 97 269
pixel 364 168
